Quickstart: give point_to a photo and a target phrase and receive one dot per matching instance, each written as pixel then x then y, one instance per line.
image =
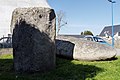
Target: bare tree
pixel 60 20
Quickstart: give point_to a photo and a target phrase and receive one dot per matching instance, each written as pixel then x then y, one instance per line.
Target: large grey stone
pixel 80 49
pixel 33 39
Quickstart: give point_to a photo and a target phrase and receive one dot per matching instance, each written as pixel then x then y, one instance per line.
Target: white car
pixel 6 42
pixel 96 39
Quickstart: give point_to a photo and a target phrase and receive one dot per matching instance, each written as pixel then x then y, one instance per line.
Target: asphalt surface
pixel 6 51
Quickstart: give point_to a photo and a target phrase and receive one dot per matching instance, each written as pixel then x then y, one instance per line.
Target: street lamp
pixel 112 2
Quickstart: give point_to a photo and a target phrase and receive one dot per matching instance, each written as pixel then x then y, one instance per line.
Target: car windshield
pixel 5 39
pixel 89 38
pixel 97 39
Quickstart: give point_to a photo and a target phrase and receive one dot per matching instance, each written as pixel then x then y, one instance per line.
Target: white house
pixel 107 31
pixel 7 7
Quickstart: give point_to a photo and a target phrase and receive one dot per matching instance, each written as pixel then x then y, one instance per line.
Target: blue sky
pixel 82 15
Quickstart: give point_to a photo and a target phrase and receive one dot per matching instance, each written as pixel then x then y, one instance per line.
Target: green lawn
pixel 65 70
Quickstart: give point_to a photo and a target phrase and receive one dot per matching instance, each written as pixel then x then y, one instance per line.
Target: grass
pixel 65 70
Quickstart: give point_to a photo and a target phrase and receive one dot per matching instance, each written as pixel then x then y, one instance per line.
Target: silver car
pixel 97 39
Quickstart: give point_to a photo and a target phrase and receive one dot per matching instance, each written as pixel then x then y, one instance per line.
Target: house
pixel 8 6
pixel 107 31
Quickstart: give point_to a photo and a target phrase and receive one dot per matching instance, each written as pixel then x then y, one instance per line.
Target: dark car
pixel 6 42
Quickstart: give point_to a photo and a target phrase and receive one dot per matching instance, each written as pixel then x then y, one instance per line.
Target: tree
pixel 60 20
pixel 87 33
pixel 82 33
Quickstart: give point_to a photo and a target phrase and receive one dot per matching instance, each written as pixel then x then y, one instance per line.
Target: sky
pixel 81 15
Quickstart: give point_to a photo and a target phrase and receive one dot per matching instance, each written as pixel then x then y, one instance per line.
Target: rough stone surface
pixel 33 39
pixel 83 49
pixel 65 48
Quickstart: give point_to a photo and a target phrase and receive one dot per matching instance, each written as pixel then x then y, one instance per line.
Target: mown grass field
pixel 65 70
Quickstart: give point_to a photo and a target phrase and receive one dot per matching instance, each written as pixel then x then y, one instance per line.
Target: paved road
pixel 6 51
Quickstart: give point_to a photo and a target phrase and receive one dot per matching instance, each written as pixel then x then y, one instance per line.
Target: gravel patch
pixel 6 51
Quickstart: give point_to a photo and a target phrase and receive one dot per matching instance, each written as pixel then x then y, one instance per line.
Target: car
pixel 97 39
pixel 6 42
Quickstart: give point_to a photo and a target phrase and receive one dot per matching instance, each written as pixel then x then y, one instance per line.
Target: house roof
pixel 108 29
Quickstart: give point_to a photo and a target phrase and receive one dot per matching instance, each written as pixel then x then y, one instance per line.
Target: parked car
pixel 97 39
pixel 6 42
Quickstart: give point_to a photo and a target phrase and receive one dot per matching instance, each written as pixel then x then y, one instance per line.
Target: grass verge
pixel 65 70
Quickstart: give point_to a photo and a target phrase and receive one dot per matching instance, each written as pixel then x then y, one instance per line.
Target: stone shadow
pixel 65 70
pixel 64 49
pixel 33 48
